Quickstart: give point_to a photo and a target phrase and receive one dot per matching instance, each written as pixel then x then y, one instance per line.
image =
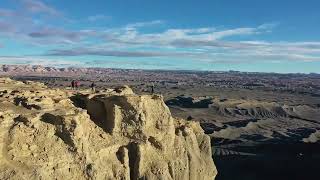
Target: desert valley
pixel 261 125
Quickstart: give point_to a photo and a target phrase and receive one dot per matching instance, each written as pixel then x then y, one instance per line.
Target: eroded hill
pixel 116 134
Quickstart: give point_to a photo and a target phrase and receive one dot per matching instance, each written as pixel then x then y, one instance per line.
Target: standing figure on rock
pixel 72 84
pixel 93 87
pixel 152 88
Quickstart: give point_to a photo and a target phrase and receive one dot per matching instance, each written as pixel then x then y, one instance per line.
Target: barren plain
pixel 262 125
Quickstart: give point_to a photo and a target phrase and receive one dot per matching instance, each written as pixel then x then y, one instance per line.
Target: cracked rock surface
pixel 115 134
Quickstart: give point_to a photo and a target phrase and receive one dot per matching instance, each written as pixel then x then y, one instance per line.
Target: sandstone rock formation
pixel 116 134
pixel 190 102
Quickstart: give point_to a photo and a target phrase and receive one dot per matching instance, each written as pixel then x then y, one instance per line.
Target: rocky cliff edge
pixel 116 134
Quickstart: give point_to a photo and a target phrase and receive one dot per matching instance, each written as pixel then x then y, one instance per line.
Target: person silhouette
pixel 73 84
pixel 152 88
pixel 93 87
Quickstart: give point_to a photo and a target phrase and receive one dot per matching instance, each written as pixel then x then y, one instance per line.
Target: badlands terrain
pixel 114 134
pixel 261 125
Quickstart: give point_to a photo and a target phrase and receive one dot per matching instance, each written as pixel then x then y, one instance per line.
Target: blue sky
pixel 247 35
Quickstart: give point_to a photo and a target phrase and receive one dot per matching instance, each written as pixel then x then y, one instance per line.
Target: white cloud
pixel 208 44
pixel 15 60
pixel 131 35
pixel 7 13
pixel 144 24
pixel 98 17
pixel 6 27
pixel 37 6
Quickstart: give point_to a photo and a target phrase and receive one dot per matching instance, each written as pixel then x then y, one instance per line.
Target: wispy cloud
pixel 22 23
pixel 55 32
pixel 7 13
pixel 172 36
pixel 99 17
pixel 231 55
pixel 37 6
pixel 209 44
pixel 16 60
pixel 146 23
pixel 6 27
pixel 102 52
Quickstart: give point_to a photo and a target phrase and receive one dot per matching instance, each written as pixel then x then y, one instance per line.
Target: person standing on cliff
pixel 93 87
pixel 72 84
pixel 152 88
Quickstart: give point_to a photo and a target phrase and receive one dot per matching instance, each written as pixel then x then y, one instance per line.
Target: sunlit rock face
pixel 116 134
